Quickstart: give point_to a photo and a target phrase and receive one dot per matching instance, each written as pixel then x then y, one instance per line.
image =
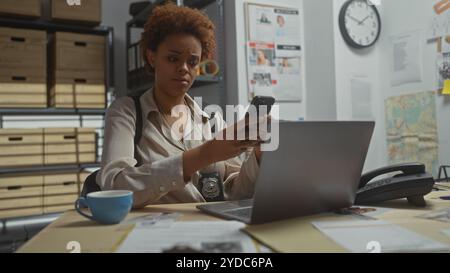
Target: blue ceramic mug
pixel 107 207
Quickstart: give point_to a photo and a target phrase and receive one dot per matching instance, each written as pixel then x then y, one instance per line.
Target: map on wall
pixel 411 129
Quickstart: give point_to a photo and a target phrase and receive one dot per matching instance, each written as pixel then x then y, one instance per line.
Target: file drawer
pixel 25 202
pixel 69 145
pixel 58 208
pixel 21 147
pixel 20 89
pixel 11 213
pixel 83 89
pixel 89 12
pixel 79 52
pixel 60 199
pixel 24 49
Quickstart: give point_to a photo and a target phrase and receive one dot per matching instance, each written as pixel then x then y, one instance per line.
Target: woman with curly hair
pixel 174 42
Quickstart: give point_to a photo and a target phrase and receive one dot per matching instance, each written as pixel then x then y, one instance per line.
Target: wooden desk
pixel 94 237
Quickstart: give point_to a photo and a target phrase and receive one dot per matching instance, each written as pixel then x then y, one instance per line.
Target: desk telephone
pixel 413 183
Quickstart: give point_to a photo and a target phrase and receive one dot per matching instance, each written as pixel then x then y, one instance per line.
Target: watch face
pixel 360 23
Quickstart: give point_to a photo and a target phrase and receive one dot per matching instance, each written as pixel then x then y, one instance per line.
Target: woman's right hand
pixel 233 140
pixel 228 143
pixel 220 150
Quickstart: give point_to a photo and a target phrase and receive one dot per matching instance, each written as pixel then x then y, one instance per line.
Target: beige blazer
pixel 160 177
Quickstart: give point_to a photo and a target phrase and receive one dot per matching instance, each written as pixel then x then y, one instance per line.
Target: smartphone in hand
pixel 258 101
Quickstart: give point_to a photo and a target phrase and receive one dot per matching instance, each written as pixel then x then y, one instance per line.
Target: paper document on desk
pixel 377 236
pixel 446 232
pixel 205 236
pixel 442 215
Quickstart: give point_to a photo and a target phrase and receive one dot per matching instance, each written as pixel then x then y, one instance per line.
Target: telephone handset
pixel 412 183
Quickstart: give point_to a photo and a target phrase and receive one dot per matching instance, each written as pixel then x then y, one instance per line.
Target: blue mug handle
pixel 84 203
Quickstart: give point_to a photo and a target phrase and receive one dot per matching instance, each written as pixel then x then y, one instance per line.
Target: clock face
pixel 360 23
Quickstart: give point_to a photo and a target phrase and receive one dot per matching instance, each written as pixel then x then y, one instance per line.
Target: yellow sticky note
pixel 446 90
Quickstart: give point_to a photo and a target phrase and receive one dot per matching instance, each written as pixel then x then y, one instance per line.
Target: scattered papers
pixel 376 236
pixel 446 232
pixel 361 91
pixel 442 215
pixel 164 235
pixel 406 58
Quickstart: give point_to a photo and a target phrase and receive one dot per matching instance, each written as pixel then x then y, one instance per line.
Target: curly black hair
pixel 170 19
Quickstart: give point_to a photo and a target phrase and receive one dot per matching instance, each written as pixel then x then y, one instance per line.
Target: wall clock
pixel 359 23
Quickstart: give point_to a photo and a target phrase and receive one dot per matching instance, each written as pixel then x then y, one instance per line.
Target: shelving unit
pixel 138 79
pixel 62 167
pixel 76 116
pixel 51 27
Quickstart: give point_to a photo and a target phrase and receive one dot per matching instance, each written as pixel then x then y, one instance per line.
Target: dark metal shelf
pixel 207 79
pixel 62 167
pixel 50 111
pixel 198 3
pixel 139 20
pixel 54 26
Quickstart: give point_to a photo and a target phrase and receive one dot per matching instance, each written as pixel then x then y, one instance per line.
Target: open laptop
pixel 316 168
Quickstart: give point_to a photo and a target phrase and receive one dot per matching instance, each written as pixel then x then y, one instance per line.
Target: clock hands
pixel 360 23
pixel 353 18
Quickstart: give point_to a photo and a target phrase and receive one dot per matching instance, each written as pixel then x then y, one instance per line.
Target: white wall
pixel 319 58
pixel 375 63
pixel 397 22
pixel 363 64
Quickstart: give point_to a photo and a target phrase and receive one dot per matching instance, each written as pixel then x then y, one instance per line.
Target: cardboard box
pixel 21 88
pixel 88 12
pixel 78 101
pixel 62 183
pixel 20 191
pixel 25 202
pixel 27 8
pixel 79 52
pixel 58 208
pixel 21 160
pixel 24 147
pixel 62 188
pixel 23 49
pixel 39 192
pixel 60 199
pixel 69 145
pixel 36 180
pixel 78 90
pixel 10 213
pixel 51 159
pixel 29 144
